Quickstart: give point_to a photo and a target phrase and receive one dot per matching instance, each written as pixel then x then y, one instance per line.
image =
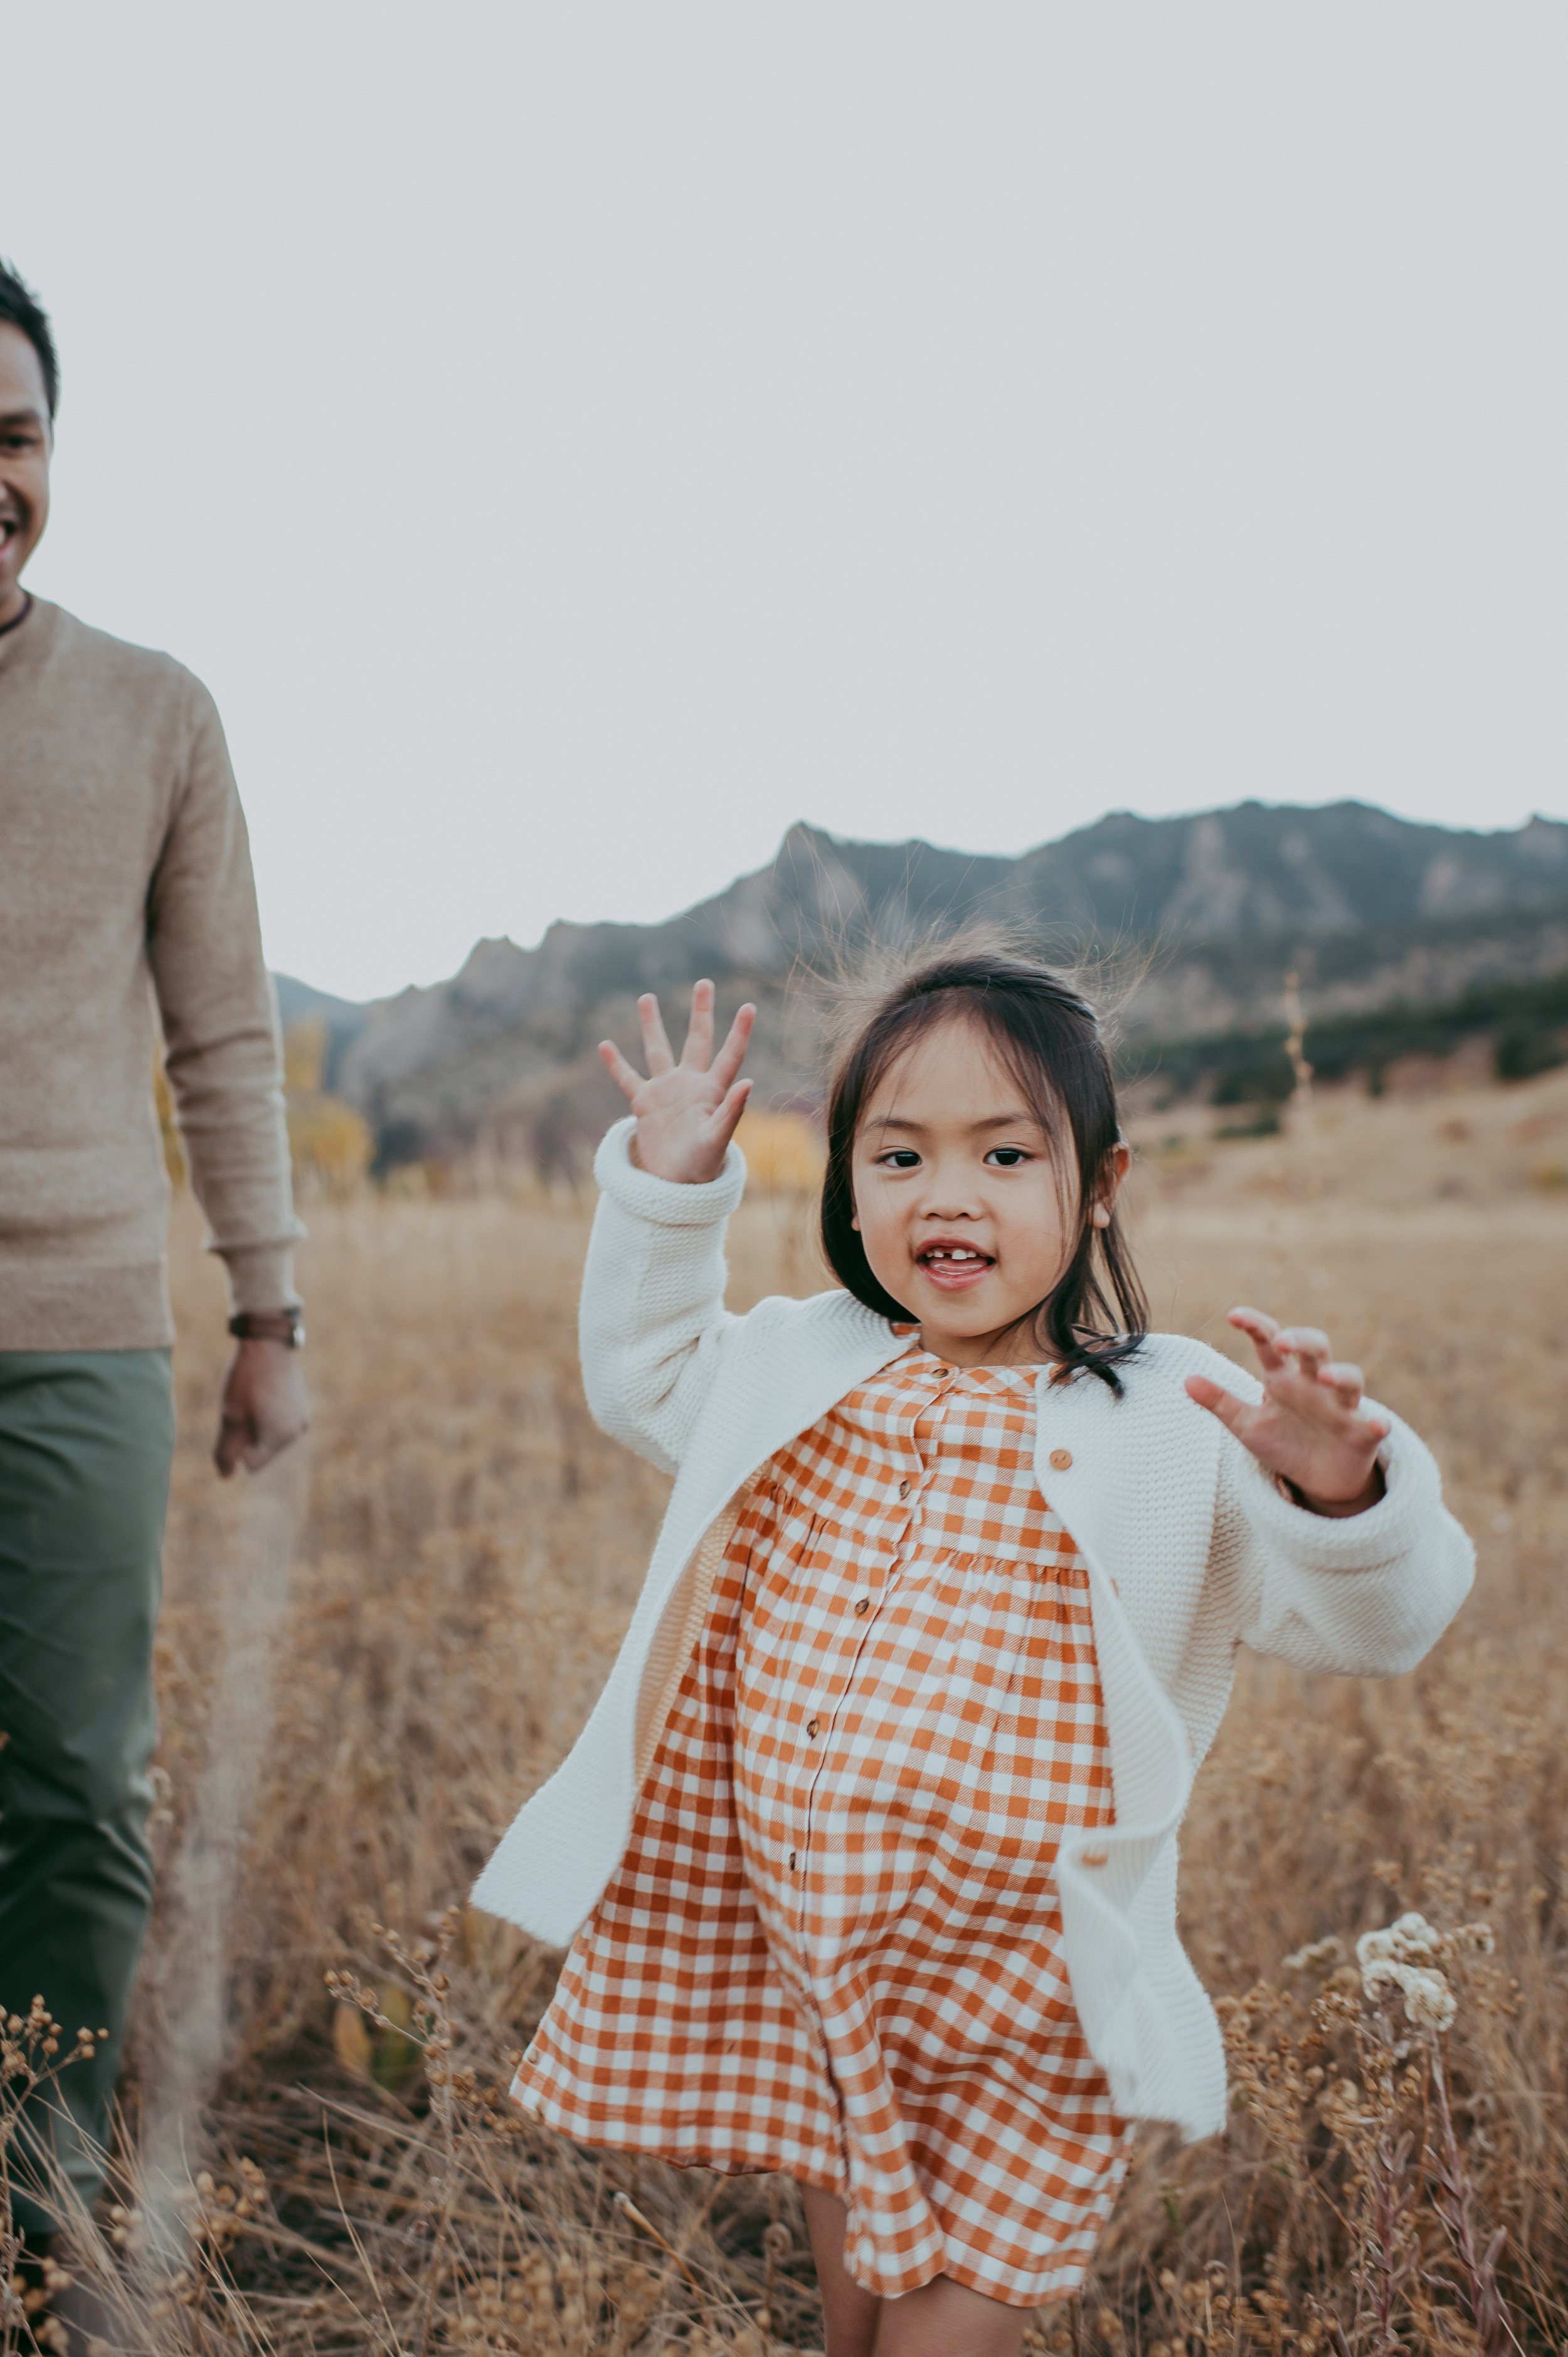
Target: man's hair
pixel 20 307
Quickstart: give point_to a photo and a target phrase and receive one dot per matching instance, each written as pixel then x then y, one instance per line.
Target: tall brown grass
pixel 467 1556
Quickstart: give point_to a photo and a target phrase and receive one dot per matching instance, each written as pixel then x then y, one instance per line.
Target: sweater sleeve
pixel 652 1318
pixel 204 946
pixel 1364 1595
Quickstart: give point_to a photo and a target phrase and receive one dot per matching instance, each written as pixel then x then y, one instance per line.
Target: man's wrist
pixel 286 1326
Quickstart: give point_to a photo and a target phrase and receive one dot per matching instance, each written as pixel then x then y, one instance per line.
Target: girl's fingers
pixel 655 1040
pixel 1344 1381
pixel 731 1055
pixel 699 1046
pixel 1306 1345
pixel 626 1078
pixel 726 1115
pixel 1261 1330
pixel 1217 1400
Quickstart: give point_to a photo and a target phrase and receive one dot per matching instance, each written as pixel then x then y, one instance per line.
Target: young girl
pixel 867 1855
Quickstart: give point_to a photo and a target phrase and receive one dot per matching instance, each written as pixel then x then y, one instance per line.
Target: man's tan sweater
pixel 125 893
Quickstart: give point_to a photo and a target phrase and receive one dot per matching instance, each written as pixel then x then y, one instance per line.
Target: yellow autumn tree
pixel 332 1146
pixel 785 1153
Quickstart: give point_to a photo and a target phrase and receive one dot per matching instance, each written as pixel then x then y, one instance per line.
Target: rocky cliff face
pixel 1192 923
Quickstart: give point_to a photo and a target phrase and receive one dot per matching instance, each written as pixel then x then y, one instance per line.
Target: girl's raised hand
pixel 1309 1428
pixel 686 1112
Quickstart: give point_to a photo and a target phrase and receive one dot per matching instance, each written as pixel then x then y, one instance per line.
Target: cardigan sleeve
pixel 651 1322
pixel 1364 1595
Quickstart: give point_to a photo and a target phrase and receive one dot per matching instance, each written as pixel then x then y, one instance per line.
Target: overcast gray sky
pixel 575 442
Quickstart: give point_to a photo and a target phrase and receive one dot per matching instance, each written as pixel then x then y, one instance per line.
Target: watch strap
pixel 286 1326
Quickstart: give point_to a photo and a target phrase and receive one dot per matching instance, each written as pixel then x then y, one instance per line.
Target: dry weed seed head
pixel 217 2212
pixel 1318 1957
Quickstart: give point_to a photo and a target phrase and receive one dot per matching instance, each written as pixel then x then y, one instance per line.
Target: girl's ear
pixel 1118 1162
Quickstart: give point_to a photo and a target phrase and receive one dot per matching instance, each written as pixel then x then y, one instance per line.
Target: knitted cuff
pixel 260 1277
pixel 1362 1542
pixel 665 1201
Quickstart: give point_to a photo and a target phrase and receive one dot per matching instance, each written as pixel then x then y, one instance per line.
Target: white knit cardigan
pixel 1191 1551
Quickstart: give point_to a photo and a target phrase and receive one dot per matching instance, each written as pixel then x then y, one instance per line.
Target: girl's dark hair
pixel 1048 1036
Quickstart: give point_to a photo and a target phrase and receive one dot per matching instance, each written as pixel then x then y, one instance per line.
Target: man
pixel 124 885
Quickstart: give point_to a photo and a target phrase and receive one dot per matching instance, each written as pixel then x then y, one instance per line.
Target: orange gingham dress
pixel 834 1947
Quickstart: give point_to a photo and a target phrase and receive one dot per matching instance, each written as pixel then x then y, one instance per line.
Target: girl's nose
pixel 948 1198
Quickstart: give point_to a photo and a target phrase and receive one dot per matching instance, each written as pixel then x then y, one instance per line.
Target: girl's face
pixel 965 1216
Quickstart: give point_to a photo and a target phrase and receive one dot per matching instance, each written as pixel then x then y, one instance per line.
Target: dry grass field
pixel 368 1658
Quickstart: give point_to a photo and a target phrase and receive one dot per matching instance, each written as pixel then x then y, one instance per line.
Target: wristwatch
pixel 286 1326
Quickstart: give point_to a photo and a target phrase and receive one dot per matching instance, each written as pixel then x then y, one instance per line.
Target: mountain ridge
pixel 1203 915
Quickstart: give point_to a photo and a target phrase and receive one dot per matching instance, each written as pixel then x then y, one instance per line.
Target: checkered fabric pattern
pixel 833 1948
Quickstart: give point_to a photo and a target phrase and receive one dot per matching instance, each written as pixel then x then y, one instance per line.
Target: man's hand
pixel 1310 1428
pixel 264 1406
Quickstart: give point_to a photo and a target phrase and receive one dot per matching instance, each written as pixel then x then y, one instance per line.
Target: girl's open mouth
pixel 954 1266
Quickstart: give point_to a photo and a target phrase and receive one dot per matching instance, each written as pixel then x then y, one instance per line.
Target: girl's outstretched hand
pixel 686 1112
pixel 1309 1428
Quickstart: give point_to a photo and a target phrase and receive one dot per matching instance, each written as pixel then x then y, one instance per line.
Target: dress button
pixel 791 1861
pixel 1094 1857
pixel 863 1606
pixel 1060 1460
pixel 812 1725
pixel 903 1488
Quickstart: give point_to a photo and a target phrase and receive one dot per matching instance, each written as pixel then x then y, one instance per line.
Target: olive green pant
pixel 85 1442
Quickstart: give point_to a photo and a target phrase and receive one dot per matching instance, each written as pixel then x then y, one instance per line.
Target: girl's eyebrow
pixel 992 1121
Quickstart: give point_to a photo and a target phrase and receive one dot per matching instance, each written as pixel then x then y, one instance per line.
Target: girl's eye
pixel 1007 1158
pixel 901 1157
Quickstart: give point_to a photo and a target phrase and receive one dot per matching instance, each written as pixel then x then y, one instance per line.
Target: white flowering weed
pixel 1404 1957
pixel 1429 2002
